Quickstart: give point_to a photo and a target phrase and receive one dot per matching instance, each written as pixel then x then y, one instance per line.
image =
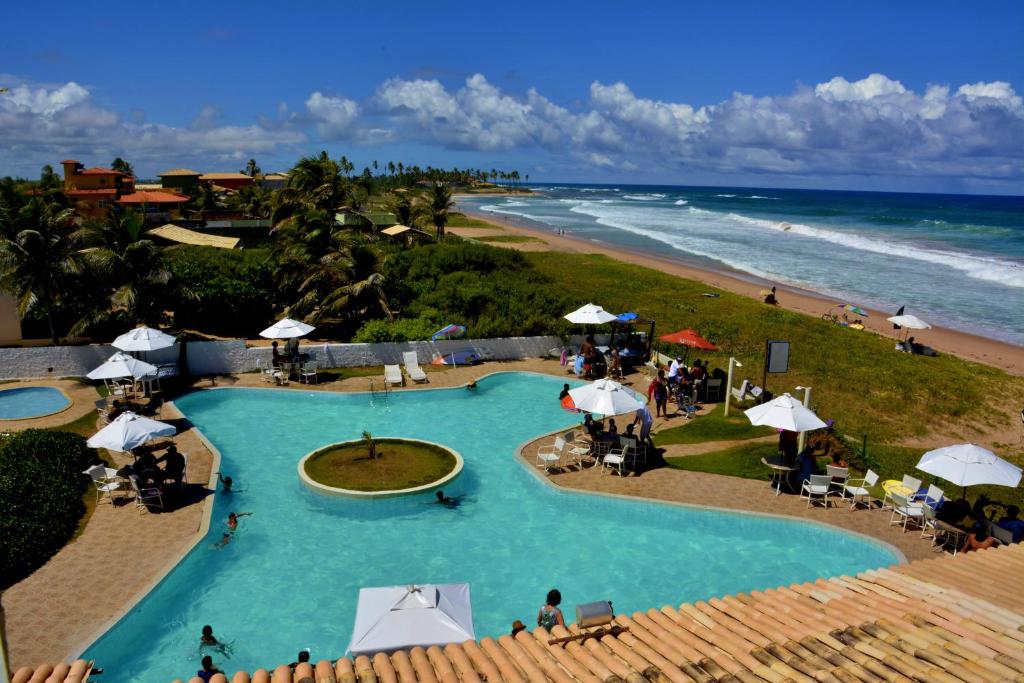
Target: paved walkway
pixel 701 488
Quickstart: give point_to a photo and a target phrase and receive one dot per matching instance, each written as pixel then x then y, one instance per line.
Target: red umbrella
pixel 689 338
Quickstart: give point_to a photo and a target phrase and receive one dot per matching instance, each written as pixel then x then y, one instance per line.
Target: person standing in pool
pixel 208 671
pixel 448 501
pixel 565 392
pixel 232 528
pixel 549 615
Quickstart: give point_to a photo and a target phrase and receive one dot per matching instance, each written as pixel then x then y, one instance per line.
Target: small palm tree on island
pixel 371 445
pixel 438 205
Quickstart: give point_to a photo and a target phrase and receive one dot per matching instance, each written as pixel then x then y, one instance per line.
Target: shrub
pixel 41 487
pixel 232 292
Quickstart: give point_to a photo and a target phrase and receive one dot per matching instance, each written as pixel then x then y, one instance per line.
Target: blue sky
pixel 865 95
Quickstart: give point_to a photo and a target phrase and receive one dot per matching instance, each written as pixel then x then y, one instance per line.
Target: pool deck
pixel 53 614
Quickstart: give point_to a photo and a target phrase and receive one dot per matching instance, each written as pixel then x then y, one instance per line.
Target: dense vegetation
pixel 41 487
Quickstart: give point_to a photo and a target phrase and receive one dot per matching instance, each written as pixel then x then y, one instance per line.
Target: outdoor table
pixel 780 472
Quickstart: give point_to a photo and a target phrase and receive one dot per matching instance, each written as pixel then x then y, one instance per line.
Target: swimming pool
pixel 23 402
pixel 290 577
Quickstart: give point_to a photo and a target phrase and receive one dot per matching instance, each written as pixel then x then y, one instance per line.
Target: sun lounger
pixel 393 375
pixel 412 367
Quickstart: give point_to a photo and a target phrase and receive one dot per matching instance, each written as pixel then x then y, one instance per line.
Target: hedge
pixel 41 487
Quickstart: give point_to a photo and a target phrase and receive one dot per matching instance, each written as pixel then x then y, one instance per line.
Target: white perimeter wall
pixel 221 357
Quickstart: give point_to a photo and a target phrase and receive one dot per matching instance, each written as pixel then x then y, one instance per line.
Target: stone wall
pixel 221 357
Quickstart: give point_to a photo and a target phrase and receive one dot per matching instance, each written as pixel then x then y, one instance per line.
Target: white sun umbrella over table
pixel 121 366
pixel 286 328
pixel 968 464
pixel 129 431
pixel 606 397
pixel 591 314
pixel 144 339
pixel 909 322
pixel 785 412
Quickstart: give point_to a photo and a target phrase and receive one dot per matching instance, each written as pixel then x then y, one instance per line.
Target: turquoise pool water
pixel 290 577
pixel 16 404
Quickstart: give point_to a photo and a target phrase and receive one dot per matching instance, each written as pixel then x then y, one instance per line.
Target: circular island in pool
pixel 379 467
pixel 26 402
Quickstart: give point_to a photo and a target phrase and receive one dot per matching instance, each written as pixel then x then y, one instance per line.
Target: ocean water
pixel 953 260
pixel 290 577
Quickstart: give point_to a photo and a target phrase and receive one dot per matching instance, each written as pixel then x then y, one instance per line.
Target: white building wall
pixel 221 357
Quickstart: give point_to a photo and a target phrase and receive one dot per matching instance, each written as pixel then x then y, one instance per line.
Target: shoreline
pixel 998 354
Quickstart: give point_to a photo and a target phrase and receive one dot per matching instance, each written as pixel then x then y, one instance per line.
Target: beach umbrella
pixel 286 328
pixel 143 339
pixel 785 412
pixel 688 338
pixel 129 431
pixel 968 464
pixel 122 365
pixel 911 322
pixel 449 332
pixel 605 397
pixel 853 308
pixel 591 314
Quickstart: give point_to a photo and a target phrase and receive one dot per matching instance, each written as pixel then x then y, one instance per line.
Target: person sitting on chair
pixel 174 465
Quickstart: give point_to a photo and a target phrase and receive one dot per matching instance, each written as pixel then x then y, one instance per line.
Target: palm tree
pixel 320 179
pixel 123 166
pixel 326 269
pixel 128 268
pixel 36 261
pixel 440 203
pixel 403 209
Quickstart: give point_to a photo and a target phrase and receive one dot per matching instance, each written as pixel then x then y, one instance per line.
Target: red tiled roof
pixel 148 197
pixel 87 193
pixel 100 171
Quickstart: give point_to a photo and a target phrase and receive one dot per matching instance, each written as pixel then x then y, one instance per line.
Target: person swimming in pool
pixel 447 501
pixel 232 528
pixel 209 641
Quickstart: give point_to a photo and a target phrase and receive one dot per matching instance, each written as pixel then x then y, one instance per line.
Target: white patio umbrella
pixel 122 365
pixel 144 339
pixel 129 431
pixel 606 397
pixel 286 328
pixel 911 322
pixel 785 412
pixel 400 617
pixel 591 314
pixel 968 464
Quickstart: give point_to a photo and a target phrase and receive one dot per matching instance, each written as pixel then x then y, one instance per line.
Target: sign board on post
pixel 778 357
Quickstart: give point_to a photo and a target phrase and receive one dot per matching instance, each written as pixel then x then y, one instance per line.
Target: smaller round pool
pixel 17 404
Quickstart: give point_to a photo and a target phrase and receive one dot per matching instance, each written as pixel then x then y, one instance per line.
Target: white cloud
pixel 334 115
pixel 872 127
pixel 841 90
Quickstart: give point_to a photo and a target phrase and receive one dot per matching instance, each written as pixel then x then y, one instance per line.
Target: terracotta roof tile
pixel 178 172
pixel 152 197
pixel 100 171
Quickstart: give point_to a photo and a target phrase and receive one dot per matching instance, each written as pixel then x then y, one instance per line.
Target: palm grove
pixel 74 276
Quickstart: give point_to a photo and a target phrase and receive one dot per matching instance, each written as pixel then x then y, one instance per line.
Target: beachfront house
pixel 158 207
pixel 181 180
pixel 95 190
pixel 227 181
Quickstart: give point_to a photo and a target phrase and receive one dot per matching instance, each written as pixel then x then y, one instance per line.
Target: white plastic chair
pixel 549 457
pixel 909 483
pixel 309 371
pixel 616 458
pixel 145 496
pixel 934 496
pixel 858 488
pixel 412 367
pixel 267 371
pixel 106 481
pixel 839 477
pixel 818 486
pixel 905 510
pixel 578 450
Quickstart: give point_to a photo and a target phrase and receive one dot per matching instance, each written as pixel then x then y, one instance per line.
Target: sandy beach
pixel 992 352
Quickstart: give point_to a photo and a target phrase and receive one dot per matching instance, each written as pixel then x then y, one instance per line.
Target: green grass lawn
pixel 738 461
pixel 713 426
pixel 858 380
pixel 397 466
pixel 461 220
